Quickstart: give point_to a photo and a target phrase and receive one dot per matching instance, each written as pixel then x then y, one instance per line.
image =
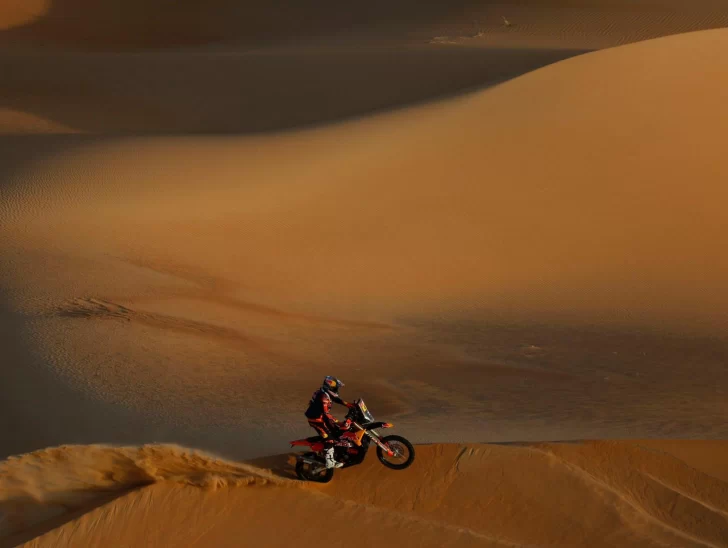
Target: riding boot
pixel 330 461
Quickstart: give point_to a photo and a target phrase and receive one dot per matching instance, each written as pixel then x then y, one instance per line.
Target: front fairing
pixel 366 414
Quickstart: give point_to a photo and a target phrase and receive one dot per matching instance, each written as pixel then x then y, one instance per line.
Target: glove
pixel 345 425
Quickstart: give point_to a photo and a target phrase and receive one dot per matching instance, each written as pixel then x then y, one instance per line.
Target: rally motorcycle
pixel 351 447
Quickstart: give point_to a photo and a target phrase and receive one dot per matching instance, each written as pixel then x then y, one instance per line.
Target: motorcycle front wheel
pixel 313 472
pixel 404 453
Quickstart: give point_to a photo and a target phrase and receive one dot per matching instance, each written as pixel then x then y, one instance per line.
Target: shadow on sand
pixel 125 84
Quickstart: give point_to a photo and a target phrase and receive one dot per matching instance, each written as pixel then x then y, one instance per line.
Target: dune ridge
pixel 625 493
pixel 47 483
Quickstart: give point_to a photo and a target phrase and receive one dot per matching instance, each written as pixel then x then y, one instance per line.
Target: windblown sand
pixel 490 230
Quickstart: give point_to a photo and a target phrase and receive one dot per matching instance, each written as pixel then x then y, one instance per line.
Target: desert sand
pixel 500 224
pixel 588 494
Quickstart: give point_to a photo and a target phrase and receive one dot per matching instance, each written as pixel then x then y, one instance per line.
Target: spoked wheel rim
pixel 401 453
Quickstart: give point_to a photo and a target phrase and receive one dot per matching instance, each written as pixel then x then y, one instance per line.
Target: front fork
pixel 375 438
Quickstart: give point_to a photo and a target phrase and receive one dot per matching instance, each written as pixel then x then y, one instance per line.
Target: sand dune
pixel 243 91
pixel 116 24
pixel 250 67
pixel 608 493
pixel 418 250
pixel 50 483
pixel 136 24
pixel 203 211
pixel 17 13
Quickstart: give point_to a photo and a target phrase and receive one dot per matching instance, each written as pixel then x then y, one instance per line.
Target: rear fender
pixel 314 442
pixel 304 443
pixel 315 446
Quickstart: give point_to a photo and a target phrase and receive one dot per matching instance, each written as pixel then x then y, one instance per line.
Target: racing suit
pixel 320 418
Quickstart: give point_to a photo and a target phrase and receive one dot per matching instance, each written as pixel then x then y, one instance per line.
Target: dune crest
pixel 38 486
pixel 599 494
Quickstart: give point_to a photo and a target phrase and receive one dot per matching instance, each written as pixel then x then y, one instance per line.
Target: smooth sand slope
pixel 591 494
pixel 208 282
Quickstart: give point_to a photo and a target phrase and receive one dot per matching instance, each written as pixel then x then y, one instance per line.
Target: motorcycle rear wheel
pixel 403 446
pixel 305 471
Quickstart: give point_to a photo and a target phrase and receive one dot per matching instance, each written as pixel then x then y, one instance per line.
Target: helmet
pixel 331 386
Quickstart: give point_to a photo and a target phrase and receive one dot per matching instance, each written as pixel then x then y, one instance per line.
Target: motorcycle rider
pixel 320 418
